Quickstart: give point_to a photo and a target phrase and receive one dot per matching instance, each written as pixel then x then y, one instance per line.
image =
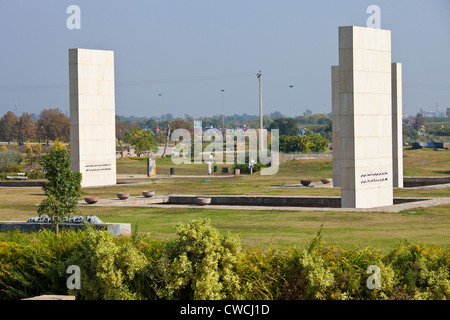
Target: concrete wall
pixel 365 102
pixel 92 116
pixel 336 126
pixel 397 134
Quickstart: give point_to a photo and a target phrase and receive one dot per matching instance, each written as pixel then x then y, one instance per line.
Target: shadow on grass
pixel 443 172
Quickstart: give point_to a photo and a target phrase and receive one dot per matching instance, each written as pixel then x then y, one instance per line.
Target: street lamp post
pixel 160 104
pixel 291 86
pixel 223 114
pixel 261 124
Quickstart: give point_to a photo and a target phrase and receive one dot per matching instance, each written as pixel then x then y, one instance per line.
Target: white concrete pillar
pixel 365 102
pixel 397 134
pixel 92 116
pixel 336 126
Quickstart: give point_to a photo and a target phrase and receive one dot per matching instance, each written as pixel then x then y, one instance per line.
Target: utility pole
pixel 223 115
pixel 160 104
pixel 291 86
pixel 261 124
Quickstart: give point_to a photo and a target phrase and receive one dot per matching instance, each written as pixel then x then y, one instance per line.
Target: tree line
pixel 52 124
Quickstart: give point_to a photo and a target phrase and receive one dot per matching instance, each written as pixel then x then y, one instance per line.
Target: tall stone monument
pixel 365 126
pixel 92 116
pixel 397 134
pixel 335 110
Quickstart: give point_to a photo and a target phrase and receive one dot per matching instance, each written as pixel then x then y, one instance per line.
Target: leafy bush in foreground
pixel 203 264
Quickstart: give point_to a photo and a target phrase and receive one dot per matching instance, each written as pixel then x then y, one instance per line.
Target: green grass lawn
pixel 290 228
pixel 426 162
pixel 265 228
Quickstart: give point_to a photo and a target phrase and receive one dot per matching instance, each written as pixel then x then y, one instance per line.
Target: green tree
pixel 419 122
pixel 287 126
pixel 62 187
pixel 9 158
pixel 318 143
pixel 290 144
pixel 414 134
pixel 141 140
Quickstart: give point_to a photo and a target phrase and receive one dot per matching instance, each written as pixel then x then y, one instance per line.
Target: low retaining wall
pixel 409 182
pixel 116 228
pixel 292 201
pixel 19 183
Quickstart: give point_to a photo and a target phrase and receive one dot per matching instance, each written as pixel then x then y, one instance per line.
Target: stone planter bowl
pixel 148 194
pixel 123 196
pixel 91 200
pixel 203 201
pixel 325 181
pixel 305 182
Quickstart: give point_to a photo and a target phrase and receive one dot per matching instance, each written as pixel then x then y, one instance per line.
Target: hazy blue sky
pixel 190 50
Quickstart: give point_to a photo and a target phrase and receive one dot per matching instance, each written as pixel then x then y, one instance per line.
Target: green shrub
pixel 12 168
pixel 9 158
pixel 304 144
pixel 201 264
pixel 107 267
pixel 36 174
pixel 246 170
pixel 32 264
pixel 318 143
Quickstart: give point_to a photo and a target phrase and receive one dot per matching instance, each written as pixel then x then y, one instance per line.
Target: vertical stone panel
pixel 92 116
pixel 397 134
pixel 335 110
pixel 365 125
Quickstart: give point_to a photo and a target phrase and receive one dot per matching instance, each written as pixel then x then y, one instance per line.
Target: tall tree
pixel 54 124
pixel 141 140
pixel 62 187
pixel 122 127
pixel 419 122
pixel 27 127
pixel 9 127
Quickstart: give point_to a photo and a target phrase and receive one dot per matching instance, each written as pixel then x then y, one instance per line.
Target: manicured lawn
pixel 426 162
pixel 289 228
pixel 265 228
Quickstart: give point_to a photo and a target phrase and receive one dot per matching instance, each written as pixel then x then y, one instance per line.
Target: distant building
pixel 431 114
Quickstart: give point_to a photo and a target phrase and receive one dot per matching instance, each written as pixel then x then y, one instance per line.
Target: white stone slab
pixel 92 116
pixel 365 114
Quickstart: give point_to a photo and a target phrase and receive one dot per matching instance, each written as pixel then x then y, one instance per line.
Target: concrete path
pixel 163 201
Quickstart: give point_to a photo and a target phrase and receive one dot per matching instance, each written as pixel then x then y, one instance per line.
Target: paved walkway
pixel 168 176
pixel 162 201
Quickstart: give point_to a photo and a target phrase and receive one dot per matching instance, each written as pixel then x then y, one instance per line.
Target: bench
pixel 20 176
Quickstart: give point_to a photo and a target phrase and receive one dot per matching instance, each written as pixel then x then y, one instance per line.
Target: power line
pixel 122 84
pixel 135 83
